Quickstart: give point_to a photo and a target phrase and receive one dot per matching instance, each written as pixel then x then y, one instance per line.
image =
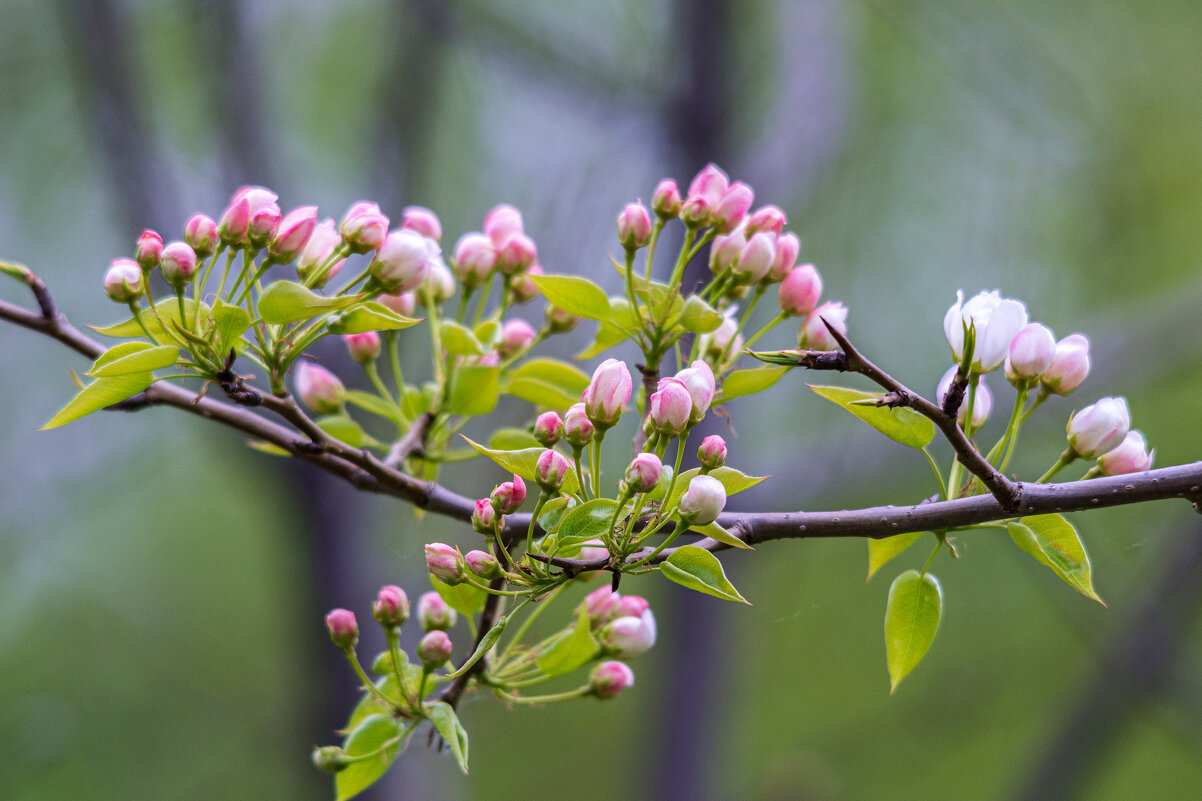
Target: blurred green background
pixel 161 586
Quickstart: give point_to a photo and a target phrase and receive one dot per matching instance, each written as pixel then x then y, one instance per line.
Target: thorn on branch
pixel 955 394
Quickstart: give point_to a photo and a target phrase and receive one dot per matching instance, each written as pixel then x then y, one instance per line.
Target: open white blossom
pixel 996 320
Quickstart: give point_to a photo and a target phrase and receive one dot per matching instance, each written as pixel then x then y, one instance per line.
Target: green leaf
pixel 370 316
pixel 474 390
pixel 732 480
pixel 585 522
pixel 1054 542
pixel 751 381
pixel 572 650
pixel 540 393
pixel 698 316
pixel 368 736
pixel 269 448
pixel 512 439
pixel 101 393
pixel 523 462
pixel 342 428
pixel 229 324
pixel 487 332
pixel 911 621
pixel 698 569
pixel 716 532
pixel 458 340
pixel 447 723
pixel 464 598
pixel 371 403
pixel 553 512
pixel 612 331
pixel 289 302
pixel 882 550
pixel 901 424
pixel 166 310
pixel 575 295
pixel 570 380
pixel 139 360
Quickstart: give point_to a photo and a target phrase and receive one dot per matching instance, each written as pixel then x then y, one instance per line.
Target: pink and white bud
pixel 787 248
pixel 696 212
pixel 439 283
pixel 814 333
pixel 403 304
pixel 723 340
pixel 434 650
pixel 363 227
pixel 234 222
pixel 516 336
pixel 123 280
pixel 200 233
pixel 318 388
pixel 591 551
pixel 698 379
pixel 996 320
pixel 475 259
pixel 644 472
pixel 149 251
pixel 631 606
pixel 293 234
pixel 610 678
pixel 1099 428
pixel 671 407
pixel 422 220
pixel 502 222
pixel 364 347
pixel 982 404
pixel 733 206
pixel 344 629
pixel 250 206
pixel 725 251
pixel 521 288
pixel 179 264
pixel 600 603
pixel 516 254
pixel 711 183
pixel 1070 365
pixel 323 241
pixel 578 430
pixel 712 453
pixel 508 497
pixel 1131 456
pixel 703 501
pixel 402 262
pixel 800 290
pixel 484 516
pixel 482 564
pixel 548 429
pixel 434 613
pixel 755 260
pixel 627 637
pixel 559 320
pixel 1031 351
pixel 666 200
pixel 634 226
pixel 263 226
pixel 550 469
pixel 391 607
pixel 606 393
pixel 444 562
pixel 767 218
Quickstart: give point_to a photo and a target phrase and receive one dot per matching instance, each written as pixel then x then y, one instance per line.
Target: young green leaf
pixel 698 569
pixel 369 736
pixel 1054 542
pixel 466 599
pixel 370 316
pixel 459 339
pixel 289 302
pixel 100 394
pixel 474 390
pixel 342 428
pixel 540 393
pixel 17 271
pixel 166 310
pixel 882 550
pixel 371 403
pixel 570 380
pixel 586 521
pixel 716 532
pixel 751 381
pixel 911 621
pixel 447 723
pixel 731 479
pixel 572 650
pixel 698 316
pixel 575 295
pixel 901 424
pixel 512 439
pixel 488 332
pixel 140 360
pixel 229 324
pixel 523 462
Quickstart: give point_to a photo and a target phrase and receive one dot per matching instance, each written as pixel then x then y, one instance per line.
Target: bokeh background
pixel 162 586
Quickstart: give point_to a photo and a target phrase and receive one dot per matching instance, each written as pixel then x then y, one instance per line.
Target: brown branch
pixel 413 439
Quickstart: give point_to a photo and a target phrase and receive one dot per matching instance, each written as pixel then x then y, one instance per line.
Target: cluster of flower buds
pixel 1102 431
pixel 502 247
pixel 624 624
pixel 682 400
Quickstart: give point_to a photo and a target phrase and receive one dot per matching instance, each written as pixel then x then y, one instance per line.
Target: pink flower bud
pixel 434 614
pixel 767 218
pixel 1099 428
pixel 548 429
pixel 787 248
pixel 318 388
pixel 599 603
pixel 560 321
pixel 1070 365
pixel 1131 456
pixel 502 222
pixel 475 259
pixel 149 250
pixel 363 227
pixel 711 183
pixel 732 207
pixel 723 340
pixel 403 304
pixel 440 283
pixel 610 678
pixel 482 564
pixel 293 234
pixel 521 288
pixel 695 212
pixel 234 222
pixel 516 254
pixel 643 473
pixel 982 402
pixel 249 205
pixel 434 650
pixel 364 347
pixel 323 241
pixel 201 234
pixel 634 226
pixel 630 606
pixel 508 497
pixel 671 407
pixel 344 629
pixel 403 260
pixel 263 225
pixel 577 428
pixel 800 290
pixel 550 469
pixel 444 562
pixel 123 280
pixel 666 200
pixel 725 250
pixel 755 260
pixel 590 551
pixel 1031 351
pixel 703 501
pixel 484 516
pixel 391 607
pixel 815 335
pixel 422 220
pixel 516 336
pixel 628 637
pixel 698 379
pixel 607 393
pixel 179 264
pixel 712 453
